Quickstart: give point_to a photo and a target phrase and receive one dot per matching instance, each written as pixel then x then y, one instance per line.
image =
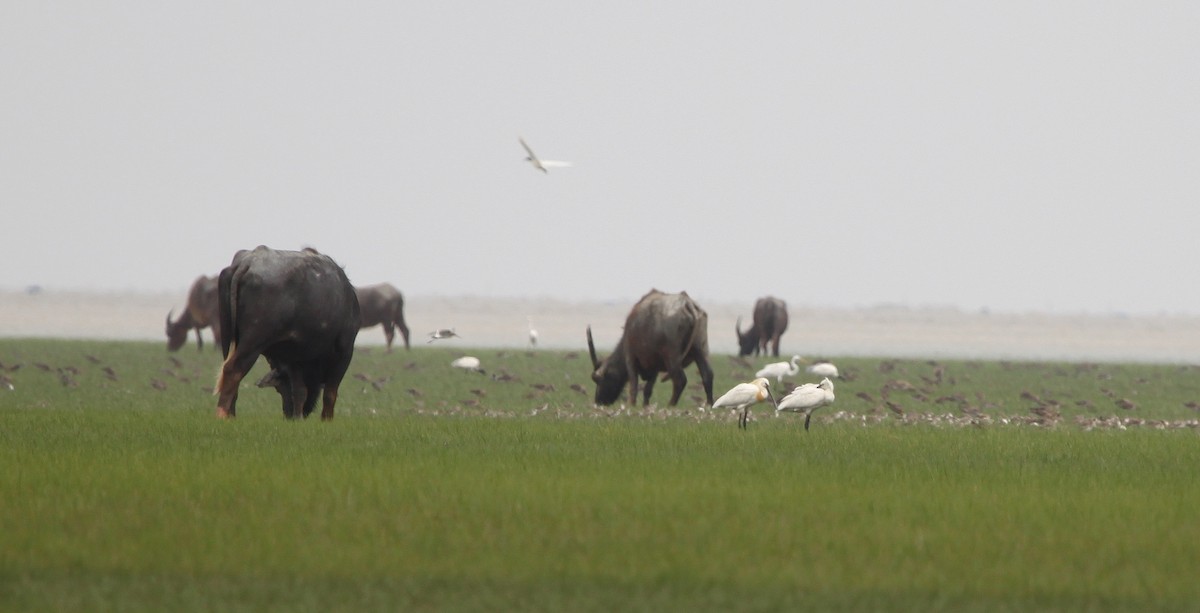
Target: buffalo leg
pixel 403 329
pixel 706 377
pixel 330 399
pixel 678 383
pixel 232 371
pixel 199 341
pixel 389 334
pixel 649 389
pixel 298 395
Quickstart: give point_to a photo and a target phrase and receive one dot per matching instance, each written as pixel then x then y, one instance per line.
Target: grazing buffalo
pixel 770 321
pixel 663 333
pixel 299 310
pixel 201 312
pixel 383 304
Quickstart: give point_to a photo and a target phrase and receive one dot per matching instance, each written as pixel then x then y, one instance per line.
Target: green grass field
pixel 1003 486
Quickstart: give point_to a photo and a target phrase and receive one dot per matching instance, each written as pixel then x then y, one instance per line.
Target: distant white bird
pixel 539 163
pixel 533 334
pixel 808 398
pixel 743 395
pixel 440 334
pixel 467 363
pixel 823 369
pixel 780 369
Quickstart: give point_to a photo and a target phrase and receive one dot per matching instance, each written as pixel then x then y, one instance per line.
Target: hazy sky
pixel 1015 156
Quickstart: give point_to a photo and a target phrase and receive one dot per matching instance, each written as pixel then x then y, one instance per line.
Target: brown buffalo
pixel 770 321
pixel 201 312
pixel 296 308
pixel 383 304
pixel 663 333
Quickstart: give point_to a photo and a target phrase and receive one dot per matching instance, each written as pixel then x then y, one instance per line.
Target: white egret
pixel 467 363
pixel 808 398
pixel 533 334
pixel 539 163
pixel 780 369
pixel 823 369
pixel 743 395
pixel 440 334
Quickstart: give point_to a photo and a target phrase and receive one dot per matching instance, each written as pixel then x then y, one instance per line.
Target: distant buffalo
pixel 663 333
pixel 201 312
pixel 299 310
pixel 383 304
pixel 770 321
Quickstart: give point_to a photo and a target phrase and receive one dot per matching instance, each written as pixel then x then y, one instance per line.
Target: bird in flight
pixel 538 163
pixel 441 334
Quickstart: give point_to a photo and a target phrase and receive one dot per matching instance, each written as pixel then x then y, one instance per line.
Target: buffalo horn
pixel 169 314
pixel 592 349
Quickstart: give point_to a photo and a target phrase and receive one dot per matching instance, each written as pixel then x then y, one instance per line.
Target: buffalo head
pixel 748 340
pixel 610 374
pixel 177 332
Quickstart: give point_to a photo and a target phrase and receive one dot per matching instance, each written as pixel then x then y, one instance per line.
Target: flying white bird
pixel 808 398
pixel 467 363
pixel 779 369
pixel 823 369
pixel 440 334
pixel 743 395
pixel 539 163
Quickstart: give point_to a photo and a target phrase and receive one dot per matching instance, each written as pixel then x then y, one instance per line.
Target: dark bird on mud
pixel 1126 404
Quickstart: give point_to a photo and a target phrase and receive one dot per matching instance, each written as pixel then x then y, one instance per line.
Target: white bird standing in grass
pixel 743 395
pixel 823 369
pixel 467 363
pixel 538 163
pixel 780 369
pixel 808 398
pixel 533 334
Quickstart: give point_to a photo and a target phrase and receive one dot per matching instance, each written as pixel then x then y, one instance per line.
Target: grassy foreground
pixel 118 494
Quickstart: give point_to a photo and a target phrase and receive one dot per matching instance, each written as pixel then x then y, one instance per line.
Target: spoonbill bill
pixel 538 163
pixel 780 369
pixel 823 369
pixel 440 334
pixel 467 362
pixel 743 395
pixel 808 398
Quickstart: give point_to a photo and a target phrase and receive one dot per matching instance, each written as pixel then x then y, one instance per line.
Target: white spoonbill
pixel 823 369
pixel 539 163
pixel 808 398
pixel 440 334
pixel 467 362
pixel 743 395
pixel 780 369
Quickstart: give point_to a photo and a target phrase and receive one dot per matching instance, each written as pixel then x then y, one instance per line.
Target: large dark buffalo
pixel 201 312
pixel 770 321
pixel 299 310
pixel 383 304
pixel 663 333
